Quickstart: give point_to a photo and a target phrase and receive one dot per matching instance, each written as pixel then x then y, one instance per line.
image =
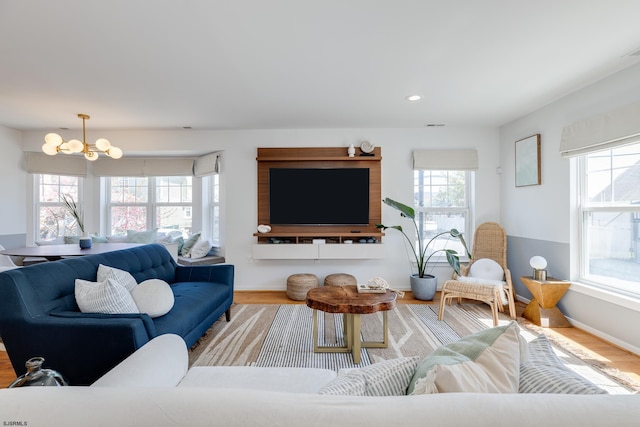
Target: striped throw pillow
pixel 122 277
pixel 386 378
pixel 108 297
pixel 544 372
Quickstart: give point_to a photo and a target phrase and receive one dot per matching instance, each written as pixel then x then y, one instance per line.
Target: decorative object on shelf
pixel 539 264
pixel 528 170
pixel 262 228
pixel 378 285
pixel 36 376
pixel 423 284
pixel 351 150
pixel 54 144
pixel 367 148
pixel 72 207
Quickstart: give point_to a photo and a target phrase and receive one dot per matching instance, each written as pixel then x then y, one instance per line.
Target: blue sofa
pixel 39 315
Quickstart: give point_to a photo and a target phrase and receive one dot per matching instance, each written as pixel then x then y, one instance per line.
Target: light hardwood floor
pixel 595 347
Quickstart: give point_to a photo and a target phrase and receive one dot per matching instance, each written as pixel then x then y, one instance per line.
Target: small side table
pixel 542 309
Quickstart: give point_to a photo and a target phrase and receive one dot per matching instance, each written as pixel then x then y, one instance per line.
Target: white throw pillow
pixel 200 249
pixel 485 362
pixel 486 268
pixel 188 244
pixel 124 278
pixel 108 297
pixel 154 297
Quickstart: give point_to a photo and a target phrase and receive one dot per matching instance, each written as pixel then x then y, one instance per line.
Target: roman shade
pixel 603 132
pixel 209 164
pixel 445 159
pixel 144 167
pixel 58 165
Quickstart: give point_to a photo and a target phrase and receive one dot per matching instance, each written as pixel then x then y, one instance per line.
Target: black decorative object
pixel 36 376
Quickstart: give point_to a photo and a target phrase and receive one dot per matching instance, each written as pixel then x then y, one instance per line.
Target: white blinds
pixel 209 164
pixel 605 131
pixel 143 167
pixel 445 159
pixel 56 165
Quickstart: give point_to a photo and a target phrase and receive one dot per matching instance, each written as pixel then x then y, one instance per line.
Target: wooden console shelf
pixel 296 241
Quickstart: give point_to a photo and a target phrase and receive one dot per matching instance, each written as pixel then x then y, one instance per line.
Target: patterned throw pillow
pixel 106 297
pixel 544 372
pixel 188 244
pixel 485 362
pixel 200 249
pixel 123 278
pixel 387 378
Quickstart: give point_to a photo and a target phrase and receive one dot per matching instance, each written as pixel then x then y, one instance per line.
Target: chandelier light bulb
pixel 114 153
pixel 91 156
pixel 49 149
pixel 103 144
pixel 75 146
pixel 53 139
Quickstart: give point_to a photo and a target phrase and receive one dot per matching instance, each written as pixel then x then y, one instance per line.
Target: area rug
pixel 271 335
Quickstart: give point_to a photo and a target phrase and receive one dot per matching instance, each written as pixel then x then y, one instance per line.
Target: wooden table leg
pixel 355 336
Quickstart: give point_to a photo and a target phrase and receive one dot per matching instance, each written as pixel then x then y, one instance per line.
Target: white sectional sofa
pixel 153 387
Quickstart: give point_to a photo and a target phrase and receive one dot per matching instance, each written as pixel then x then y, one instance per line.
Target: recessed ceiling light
pixel 413 98
pixel 435 125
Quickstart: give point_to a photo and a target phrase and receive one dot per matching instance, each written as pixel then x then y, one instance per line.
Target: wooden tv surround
pixel 296 241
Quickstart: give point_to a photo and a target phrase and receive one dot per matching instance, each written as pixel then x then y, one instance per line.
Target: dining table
pixel 56 252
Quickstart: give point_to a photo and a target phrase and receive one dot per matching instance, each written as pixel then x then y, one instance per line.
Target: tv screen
pixel 319 196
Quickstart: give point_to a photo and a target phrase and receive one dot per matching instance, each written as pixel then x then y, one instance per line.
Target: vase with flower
pixel 72 207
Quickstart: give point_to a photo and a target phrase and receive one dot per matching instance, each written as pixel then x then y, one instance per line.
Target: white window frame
pixel 38 204
pixel 610 284
pixel 151 204
pixel 466 211
pixel 214 209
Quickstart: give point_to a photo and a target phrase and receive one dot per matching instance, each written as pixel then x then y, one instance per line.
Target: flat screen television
pixel 306 196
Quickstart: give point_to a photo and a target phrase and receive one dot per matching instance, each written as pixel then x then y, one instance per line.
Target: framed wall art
pixel 528 171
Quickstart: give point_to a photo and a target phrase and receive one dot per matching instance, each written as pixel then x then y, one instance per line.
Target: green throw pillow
pixel 142 236
pixel 188 244
pixel 485 362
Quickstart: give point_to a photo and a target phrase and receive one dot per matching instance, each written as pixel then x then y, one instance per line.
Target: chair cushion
pixel 486 268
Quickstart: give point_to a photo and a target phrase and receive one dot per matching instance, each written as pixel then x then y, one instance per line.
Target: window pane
pixel 174 217
pixel 129 190
pixel 612 245
pixel 173 189
pixel 613 177
pixel 440 189
pixel 125 218
pixel 431 224
pixel 55 221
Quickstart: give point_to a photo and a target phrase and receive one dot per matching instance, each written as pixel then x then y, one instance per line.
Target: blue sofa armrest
pixel 81 346
pixel 217 273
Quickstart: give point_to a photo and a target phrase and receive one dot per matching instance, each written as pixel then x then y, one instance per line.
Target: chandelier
pixel 54 144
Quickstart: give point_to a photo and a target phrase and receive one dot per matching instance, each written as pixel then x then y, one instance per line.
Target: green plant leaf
pixel 405 210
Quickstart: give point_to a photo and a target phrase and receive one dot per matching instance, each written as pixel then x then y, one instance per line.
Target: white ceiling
pixel 257 64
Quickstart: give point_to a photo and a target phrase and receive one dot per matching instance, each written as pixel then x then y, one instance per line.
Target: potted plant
pixel 424 284
pixel 72 207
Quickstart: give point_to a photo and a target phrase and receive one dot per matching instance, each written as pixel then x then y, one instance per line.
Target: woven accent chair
pixel 489 241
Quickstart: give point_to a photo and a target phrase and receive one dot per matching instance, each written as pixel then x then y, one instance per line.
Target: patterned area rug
pixel 281 336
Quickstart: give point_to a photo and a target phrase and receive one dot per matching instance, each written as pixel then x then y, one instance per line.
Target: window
pixel 214 209
pixel 442 202
pixel 145 203
pixel 610 218
pixel 53 219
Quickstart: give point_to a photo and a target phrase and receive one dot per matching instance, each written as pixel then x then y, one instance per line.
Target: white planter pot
pixel 424 288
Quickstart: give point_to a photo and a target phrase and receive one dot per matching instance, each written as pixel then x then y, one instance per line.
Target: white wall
pixel 543 217
pixel 239 184
pixel 13 184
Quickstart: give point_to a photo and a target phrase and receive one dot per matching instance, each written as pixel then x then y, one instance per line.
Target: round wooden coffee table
pixel 347 300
